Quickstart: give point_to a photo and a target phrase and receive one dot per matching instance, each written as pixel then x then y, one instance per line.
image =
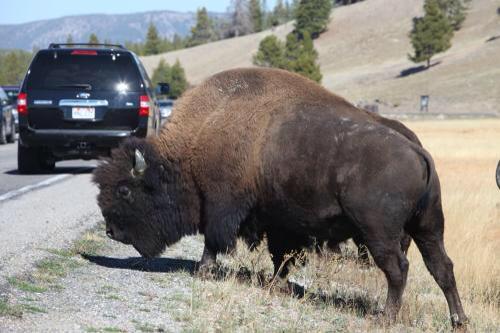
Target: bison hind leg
pixel 428 235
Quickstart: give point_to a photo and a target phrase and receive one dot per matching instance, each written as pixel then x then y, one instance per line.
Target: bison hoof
pixel 459 325
pixel 206 271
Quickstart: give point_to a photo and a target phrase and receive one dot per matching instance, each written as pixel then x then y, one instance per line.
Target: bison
pixel 263 151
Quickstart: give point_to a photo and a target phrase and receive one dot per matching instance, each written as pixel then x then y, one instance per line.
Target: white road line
pixel 29 188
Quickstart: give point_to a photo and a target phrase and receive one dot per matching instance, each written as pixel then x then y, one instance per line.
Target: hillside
pixel 365 50
pixel 117 28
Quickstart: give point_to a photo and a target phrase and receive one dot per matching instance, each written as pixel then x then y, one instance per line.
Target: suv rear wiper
pixel 85 86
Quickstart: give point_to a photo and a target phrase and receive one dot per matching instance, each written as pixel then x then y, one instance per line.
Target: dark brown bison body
pixel 254 152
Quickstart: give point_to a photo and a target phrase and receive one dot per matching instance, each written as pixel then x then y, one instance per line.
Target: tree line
pixel 297 53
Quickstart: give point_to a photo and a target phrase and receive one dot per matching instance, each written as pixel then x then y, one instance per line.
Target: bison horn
pixel 140 163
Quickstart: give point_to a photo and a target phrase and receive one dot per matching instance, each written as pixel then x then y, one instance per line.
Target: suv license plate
pixel 83 113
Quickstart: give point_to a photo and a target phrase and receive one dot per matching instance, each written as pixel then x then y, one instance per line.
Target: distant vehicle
pixel 7 125
pixel 78 101
pixel 12 92
pixel 166 106
pixel 498 174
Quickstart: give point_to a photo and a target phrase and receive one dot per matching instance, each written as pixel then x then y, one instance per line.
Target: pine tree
pixel 153 41
pixel 161 74
pixel 455 11
pixel 241 19
pixel 69 39
pixel 13 66
pixel 178 42
pixel 312 16
pixel 93 39
pixel 174 75
pixel 301 57
pixel 178 83
pixel 137 48
pixel 203 31
pixel 270 53
pixel 431 34
pixel 256 14
pixel 306 64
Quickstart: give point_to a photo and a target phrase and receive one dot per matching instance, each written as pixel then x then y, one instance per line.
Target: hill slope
pixel 365 50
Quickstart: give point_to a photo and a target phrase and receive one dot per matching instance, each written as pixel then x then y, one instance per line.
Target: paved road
pixel 11 182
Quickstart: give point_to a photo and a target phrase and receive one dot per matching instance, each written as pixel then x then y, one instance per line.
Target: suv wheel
pixel 12 136
pixel 3 138
pixel 28 159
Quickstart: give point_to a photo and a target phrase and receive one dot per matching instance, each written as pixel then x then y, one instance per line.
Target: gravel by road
pixel 47 218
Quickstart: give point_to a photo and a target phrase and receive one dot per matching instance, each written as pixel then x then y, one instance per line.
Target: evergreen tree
pixel 241 19
pixel 153 41
pixel 431 34
pixel 270 53
pixel 306 64
pixel 257 15
pixel 93 39
pixel 455 11
pixel 13 66
pixel 137 48
pixel 174 75
pixel 162 73
pixel 301 57
pixel 280 12
pixel 178 42
pixel 69 39
pixel 178 83
pixel 312 16
pixel 203 31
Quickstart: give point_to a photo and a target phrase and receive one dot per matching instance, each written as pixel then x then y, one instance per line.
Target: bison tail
pixel 432 183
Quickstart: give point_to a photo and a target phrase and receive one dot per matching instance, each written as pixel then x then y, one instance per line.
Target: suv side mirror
pixel 162 88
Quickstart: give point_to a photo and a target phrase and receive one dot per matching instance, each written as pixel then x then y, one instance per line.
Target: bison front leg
pixel 207 263
pixel 221 222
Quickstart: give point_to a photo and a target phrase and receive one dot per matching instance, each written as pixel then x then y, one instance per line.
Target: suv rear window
pixel 102 71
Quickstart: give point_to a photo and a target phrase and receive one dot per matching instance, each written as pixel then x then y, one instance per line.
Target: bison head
pixel 138 198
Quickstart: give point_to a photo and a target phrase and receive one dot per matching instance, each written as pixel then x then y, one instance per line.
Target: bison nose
pixel 109 232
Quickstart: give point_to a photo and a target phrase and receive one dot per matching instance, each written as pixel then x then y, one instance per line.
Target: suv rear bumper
pixel 70 143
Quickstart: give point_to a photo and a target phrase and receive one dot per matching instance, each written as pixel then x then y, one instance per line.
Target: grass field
pixel 341 296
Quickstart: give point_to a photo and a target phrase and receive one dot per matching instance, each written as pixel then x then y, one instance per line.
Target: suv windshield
pixel 99 71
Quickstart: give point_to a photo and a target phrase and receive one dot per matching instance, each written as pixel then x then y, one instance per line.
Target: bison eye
pixel 124 192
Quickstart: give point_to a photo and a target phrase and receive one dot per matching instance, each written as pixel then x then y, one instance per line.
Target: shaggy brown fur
pixel 260 151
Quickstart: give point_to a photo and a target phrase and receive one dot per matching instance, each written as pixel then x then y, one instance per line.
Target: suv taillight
pixel 22 104
pixel 144 106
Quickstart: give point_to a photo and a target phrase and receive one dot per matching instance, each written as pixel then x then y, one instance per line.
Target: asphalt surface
pixel 11 181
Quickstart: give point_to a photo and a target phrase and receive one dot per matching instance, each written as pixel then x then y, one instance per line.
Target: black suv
pixel 77 101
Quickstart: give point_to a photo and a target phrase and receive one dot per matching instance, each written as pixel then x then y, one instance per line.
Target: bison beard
pixel 254 152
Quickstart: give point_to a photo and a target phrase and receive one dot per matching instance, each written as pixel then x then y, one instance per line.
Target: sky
pixel 21 11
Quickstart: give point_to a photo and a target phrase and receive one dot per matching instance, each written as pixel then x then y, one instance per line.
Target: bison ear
pixel 139 164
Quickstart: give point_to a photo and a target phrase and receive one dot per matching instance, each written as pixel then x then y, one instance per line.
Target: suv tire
pixel 3 137
pixel 12 136
pixel 28 160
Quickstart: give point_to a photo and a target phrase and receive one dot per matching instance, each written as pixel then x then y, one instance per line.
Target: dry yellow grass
pixel 342 297
pixel 365 49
